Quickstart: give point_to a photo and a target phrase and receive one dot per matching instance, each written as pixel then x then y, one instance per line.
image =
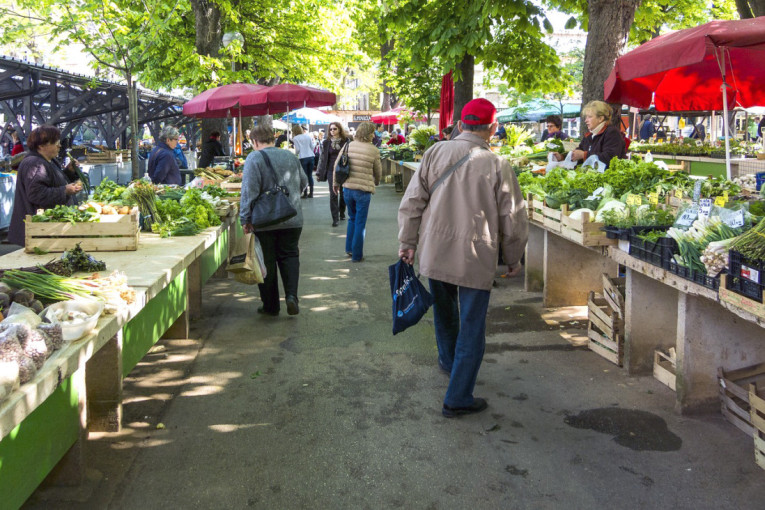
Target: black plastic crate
pixel 746 268
pixel 705 280
pixel 744 287
pixel 646 250
pixel 623 234
pixel 681 271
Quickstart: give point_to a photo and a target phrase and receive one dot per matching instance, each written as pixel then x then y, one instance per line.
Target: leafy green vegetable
pixel 66 214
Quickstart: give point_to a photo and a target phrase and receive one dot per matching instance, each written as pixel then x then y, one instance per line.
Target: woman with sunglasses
pixel 40 183
pixel 336 139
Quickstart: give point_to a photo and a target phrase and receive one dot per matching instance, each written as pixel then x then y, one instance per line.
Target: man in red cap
pixel 460 206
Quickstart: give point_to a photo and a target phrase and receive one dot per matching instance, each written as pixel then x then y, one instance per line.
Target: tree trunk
pixel 463 88
pixel 758 7
pixel 209 37
pixel 744 11
pixel 607 34
pixel 386 105
pixel 132 90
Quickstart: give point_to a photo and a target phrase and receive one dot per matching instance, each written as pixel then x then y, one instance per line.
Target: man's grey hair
pixel 168 133
pixel 478 127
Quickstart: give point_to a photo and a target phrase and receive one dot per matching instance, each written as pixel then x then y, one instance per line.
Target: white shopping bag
pixel 567 163
pixel 594 162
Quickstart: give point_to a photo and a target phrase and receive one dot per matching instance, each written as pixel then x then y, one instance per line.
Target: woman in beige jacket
pixel 365 174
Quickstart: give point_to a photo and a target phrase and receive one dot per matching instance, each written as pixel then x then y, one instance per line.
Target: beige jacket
pixel 459 229
pixel 366 169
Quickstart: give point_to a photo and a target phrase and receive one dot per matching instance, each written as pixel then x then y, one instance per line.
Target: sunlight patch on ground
pixel 553 316
pixel 203 391
pixel 314 296
pixel 229 427
pixel 320 309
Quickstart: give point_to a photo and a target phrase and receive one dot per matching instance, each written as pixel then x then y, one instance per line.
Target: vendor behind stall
pixel 554 124
pixel 162 168
pixel 603 140
pixel 41 183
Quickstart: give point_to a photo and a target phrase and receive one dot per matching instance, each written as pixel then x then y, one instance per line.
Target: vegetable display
pixel 66 214
pixel 751 244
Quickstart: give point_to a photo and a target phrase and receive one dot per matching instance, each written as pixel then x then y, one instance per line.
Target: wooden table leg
pixel 103 375
pixel 534 270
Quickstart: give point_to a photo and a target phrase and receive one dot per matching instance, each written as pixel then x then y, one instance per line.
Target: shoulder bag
pixel 273 204
pixel 343 166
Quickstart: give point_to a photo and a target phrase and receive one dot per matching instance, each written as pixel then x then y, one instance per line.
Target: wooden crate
pixel 665 369
pixel 757 416
pixel 231 187
pixel 614 290
pixel 101 158
pixel 605 330
pixel 115 232
pixel 734 394
pixel 583 231
pixel 744 303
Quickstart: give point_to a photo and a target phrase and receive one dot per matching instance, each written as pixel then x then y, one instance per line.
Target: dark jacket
pixel 162 168
pixel 40 184
pixel 607 145
pixel 210 149
pixel 560 135
pixel 647 130
pixel 327 159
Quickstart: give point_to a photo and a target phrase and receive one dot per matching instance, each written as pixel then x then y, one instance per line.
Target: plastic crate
pixel 622 234
pixel 760 179
pixel 745 276
pixel 696 277
pixel 653 253
pixel 744 287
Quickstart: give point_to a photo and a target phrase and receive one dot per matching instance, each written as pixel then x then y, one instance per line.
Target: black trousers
pixel 336 200
pixel 307 164
pixel 280 249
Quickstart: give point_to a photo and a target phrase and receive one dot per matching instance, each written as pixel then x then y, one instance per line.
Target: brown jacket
pixel 366 169
pixel 459 229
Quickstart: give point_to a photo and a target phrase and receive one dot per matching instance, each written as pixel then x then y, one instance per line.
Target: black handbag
pixel 273 204
pixel 343 166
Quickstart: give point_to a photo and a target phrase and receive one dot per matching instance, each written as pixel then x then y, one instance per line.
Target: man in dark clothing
pixel 210 149
pixel 647 128
pixel 761 129
pixel 699 131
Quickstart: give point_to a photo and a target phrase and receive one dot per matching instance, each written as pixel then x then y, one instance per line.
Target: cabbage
pixel 577 215
pixel 614 205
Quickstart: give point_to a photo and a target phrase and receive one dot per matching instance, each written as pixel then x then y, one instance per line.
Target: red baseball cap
pixel 478 112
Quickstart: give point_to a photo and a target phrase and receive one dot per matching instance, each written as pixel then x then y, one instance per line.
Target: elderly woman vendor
pixel 603 139
pixel 162 167
pixel 40 183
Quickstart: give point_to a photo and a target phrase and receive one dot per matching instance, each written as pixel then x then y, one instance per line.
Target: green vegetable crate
pixel 581 231
pixel 114 232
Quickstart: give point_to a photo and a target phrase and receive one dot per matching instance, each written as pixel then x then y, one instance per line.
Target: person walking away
pixel 457 226
pixel 699 131
pixel 304 146
pixel 40 182
pixel 279 242
pixel 330 150
pixel 162 167
pixel 210 149
pixel 365 174
pixel 281 139
pixel 554 123
pixel 180 157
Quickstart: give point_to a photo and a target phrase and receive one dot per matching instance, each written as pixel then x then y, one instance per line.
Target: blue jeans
pixel 357 202
pixel 459 315
pixel 307 164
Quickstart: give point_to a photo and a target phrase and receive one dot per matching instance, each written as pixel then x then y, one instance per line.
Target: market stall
pixel 44 423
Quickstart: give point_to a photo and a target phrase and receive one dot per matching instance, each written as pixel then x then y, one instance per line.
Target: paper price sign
pixel 679 194
pixel 697 191
pixel 634 199
pixel 653 197
pixel 735 220
pixel 688 217
pixel 705 207
pixel 721 201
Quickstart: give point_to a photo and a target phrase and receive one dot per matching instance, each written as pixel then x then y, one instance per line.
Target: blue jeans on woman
pixel 357 202
pixel 459 317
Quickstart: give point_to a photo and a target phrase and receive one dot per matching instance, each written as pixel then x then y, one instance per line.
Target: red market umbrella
pixel 687 70
pixel 226 100
pixel 286 96
pixel 391 117
pixel 447 103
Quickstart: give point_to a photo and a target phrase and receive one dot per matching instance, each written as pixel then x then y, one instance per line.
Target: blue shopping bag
pixel 411 299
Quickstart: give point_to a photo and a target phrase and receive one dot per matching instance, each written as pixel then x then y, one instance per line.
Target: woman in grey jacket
pixel 366 170
pixel 279 242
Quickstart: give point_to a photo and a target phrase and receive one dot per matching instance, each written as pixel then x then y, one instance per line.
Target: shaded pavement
pixel 329 410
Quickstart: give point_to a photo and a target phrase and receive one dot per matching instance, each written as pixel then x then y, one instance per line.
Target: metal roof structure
pixel 33 94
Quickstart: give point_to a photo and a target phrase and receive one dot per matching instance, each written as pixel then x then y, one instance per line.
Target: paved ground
pixel 329 410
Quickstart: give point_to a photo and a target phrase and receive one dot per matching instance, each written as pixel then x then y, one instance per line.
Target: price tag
pixel 679 193
pixel 634 199
pixel 697 191
pixel 705 207
pixel 721 201
pixel 688 216
pixel 653 198
pixel 734 219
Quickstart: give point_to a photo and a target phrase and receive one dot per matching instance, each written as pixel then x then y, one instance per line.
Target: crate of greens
pixel 63 228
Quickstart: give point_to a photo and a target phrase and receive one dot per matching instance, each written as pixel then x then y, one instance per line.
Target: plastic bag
pixel 567 163
pixel 410 298
pixel 258 272
pixel 596 163
pixel 19 314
